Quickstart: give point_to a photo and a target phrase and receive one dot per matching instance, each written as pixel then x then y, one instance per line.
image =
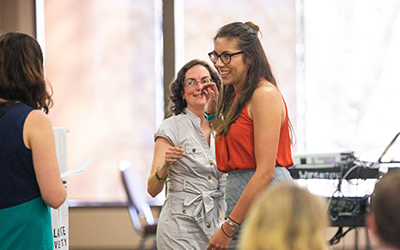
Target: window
pixel 103 59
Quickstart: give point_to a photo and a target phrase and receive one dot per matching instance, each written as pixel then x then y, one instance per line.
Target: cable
pixel 353 209
pixel 339 234
pixel 386 149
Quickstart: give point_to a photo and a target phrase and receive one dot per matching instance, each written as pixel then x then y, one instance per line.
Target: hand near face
pixel 210 90
pixel 173 154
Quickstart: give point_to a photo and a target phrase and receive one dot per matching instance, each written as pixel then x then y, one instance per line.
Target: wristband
pixel 222 228
pixel 232 223
pixel 159 179
pixel 233 220
pixel 209 117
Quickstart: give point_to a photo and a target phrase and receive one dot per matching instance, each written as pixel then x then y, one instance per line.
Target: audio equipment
pixel 348 211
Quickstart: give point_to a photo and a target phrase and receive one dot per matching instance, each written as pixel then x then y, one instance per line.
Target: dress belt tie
pixel 206 198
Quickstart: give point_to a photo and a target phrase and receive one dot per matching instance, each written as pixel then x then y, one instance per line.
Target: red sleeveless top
pixel 236 150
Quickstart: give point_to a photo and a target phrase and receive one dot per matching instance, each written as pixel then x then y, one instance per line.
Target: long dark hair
pixel 177 104
pixel 246 37
pixel 21 71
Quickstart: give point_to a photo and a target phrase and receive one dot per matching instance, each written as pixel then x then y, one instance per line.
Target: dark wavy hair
pixel 246 37
pixel 177 104
pixel 21 71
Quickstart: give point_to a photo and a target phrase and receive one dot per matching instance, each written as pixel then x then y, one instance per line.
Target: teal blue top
pixel 26 226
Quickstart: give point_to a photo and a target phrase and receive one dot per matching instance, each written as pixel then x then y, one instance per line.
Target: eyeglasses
pixel 191 83
pixel 225 57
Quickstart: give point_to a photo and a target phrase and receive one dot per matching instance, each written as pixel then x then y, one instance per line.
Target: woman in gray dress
pixel 184 158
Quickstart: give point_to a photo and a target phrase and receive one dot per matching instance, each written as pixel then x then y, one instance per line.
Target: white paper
pixel 78 169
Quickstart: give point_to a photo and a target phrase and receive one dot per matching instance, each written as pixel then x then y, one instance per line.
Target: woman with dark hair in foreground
pixel 30 179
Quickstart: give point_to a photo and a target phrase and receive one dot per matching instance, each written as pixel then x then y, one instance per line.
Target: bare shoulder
pixel 266 98
pixel 37 118
pixel 37 126
pixel 266 91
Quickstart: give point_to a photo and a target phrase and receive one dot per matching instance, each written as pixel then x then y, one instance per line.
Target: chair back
pixel 137 198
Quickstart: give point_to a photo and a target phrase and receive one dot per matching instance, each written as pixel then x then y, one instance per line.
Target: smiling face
pixel 236 71
pixel 194 94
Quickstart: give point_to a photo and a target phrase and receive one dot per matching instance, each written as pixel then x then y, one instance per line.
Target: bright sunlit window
pixel 351 81
pixel 347 73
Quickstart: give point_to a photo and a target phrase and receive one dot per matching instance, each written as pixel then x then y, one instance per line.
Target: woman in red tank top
pixel 253 139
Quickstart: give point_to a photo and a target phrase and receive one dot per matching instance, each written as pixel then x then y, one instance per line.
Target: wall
pixel 107 227
pixel 17 15
pixel 111 228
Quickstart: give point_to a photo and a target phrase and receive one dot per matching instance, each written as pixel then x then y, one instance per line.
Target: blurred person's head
pixel 384 216
pixel 21 71
pixel 180 86
pixel 286 217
